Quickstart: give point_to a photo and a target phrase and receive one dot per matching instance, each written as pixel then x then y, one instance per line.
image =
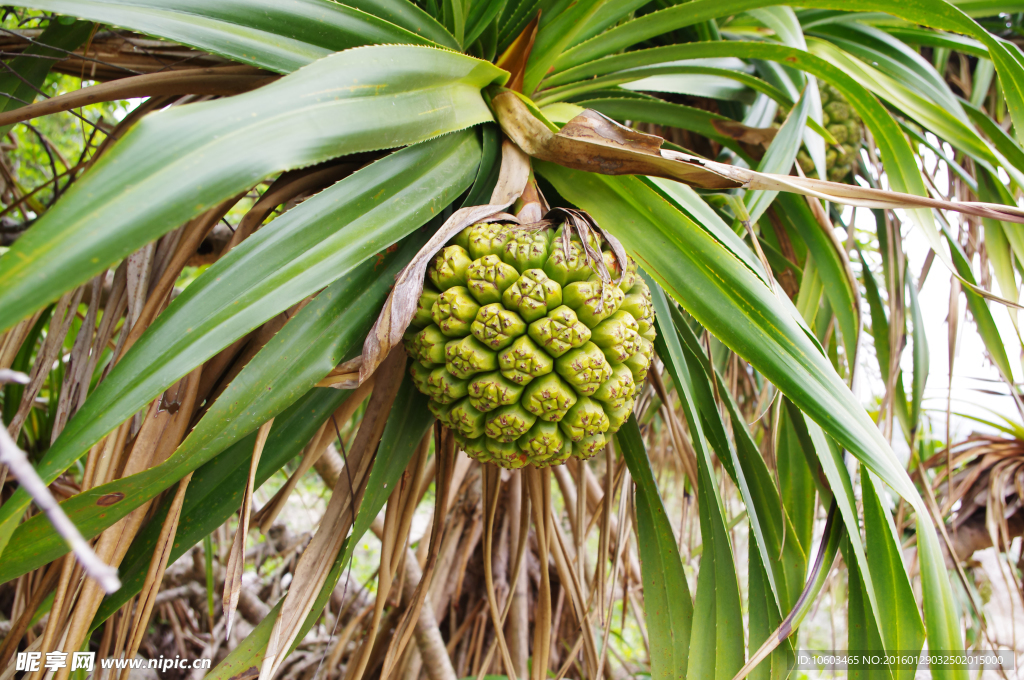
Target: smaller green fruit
pixel 422 316
pixel 543 443
pixel 419 374
pixel 589 446
pixel 618 416
pixel 618 389
pixel 489 277
pixel 443 413
pixel 466 419
pixel 527 249
pixel 449 267
pixel 584 419
pixel 505 454
pixel 484 239
pixel 532 295
pixel 523 361
pixel 467 357
pixel 585 368
pixel 497 327
pixel 475 447
pixel 593 300
pixel 454 311
pixel 429 345
pixel 491 390
pixel 508 423
pixel 559 331
pixel 549 397
pixel 445 388
pixel 638 364
pixel 617 336
pixel 567 265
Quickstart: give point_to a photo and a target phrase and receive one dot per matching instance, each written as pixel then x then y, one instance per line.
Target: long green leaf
pixel 668 607
pixel 291 258
pixel 175 164
pixel 900 624
pixel 784 561
pixel 725 297
pixel 716 646
pixel 280 36
pixel 328 329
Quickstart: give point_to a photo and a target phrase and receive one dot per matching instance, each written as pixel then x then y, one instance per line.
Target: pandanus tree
pixel 405 126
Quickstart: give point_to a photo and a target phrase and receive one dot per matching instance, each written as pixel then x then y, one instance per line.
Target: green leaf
pixel 279 265
pixel 900 623
pixel 668 607
pixel 921 361
pixel 325 331
pixel 716 646
pixel 407 423
pixel 555 33
pixel 784 561
pixel 175 164
pixel 727 298
pixel 983 319
pixel 796 486
pixel 763 618
pixel 780 156
pixel 216 489
pixel 279 36
pixel 863 634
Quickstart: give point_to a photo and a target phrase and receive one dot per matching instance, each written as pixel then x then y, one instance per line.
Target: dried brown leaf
pixel 236 558
pixel 318 557
pixel 401 303
pixel 595 143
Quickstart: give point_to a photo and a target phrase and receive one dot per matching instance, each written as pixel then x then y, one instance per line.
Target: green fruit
pixel 429 345
pixel 618 389
pixel 584 419
pixel 527 249
pixel 638 365
pixel 559 331
pixel 442 412
pixel 545 443
pixel 449 267
pixel 485 239
pixel 508 423
pixel 843 123
pixel 593 301
pixel 467 357
pixel 526 354
pixel 424 306
pixel 550 397
pixel 491 390
pixel 444 387
pixel 589 446
pixel 419 374
pixel 618 416
pixel 566 265
pixel 454 311
pixel 497 327
pixel 585 368
pixel 524 360
pixel 618 336
pixel 466 420
pixel 532 295
pixel 489 277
